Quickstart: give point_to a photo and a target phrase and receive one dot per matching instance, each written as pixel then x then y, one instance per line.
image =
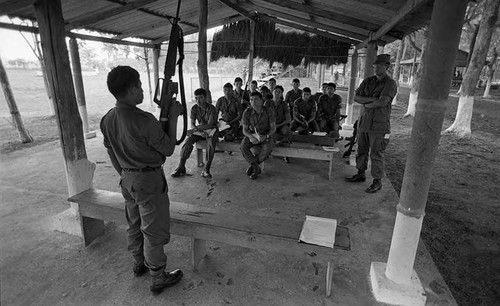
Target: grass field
pixel 461 227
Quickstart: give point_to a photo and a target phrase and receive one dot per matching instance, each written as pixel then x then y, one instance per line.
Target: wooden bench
pixel 202 224
pixel 313 139
pixel 297 150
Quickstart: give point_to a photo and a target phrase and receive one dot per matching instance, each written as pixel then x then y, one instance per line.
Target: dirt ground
pixel 461 227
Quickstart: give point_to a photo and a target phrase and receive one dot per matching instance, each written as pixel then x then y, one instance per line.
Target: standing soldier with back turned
pixel 137 147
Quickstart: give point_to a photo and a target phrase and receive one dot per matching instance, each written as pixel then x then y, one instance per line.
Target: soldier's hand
pixel 176 109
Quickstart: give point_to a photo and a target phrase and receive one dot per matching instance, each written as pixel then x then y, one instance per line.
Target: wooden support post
pixel 156 63
pixel 199 157
pixel 321 79
pixel 202 49
pixel 156 72
pixel 80 92
pixel 251 51
pixel 329 278
pixel 350 94
pixel 397 282
pixel 198 251
pixel 11 102
pixel 91 229
pixel 371 55
pixel 79 170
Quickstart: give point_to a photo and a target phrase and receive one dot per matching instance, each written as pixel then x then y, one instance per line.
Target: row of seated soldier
pixel 258 119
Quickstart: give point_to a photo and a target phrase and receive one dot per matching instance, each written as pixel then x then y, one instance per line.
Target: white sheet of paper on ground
pixel 331 149
pixel 319 231
pixel 319 133
pixel 222 125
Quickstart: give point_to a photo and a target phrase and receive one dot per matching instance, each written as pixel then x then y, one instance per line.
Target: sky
pixel 13 45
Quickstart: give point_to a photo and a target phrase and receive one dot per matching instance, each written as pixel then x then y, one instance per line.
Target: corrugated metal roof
pixel 356 20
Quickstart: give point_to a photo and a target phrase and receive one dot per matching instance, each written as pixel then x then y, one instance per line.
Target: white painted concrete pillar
pixel 348 124
pixel 396 282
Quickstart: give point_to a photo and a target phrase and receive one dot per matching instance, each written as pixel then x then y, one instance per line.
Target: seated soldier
pixel 318 94
pixel 304 114
pixel 267 96
pixel 283 119
pixel 206 115
pixel 329 111
pixel 272 84
pixel 259 125
pixel 253 87
pixel 231 113
pixel 282 115
pixel 241 94
pixel 293 94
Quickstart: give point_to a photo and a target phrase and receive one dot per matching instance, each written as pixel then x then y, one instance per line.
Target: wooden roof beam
pixel 238 9
pixel 409 7
pixel 9 7
pixel 308 29
pixel 17 27
pixel 91 18
pixel 213 24
pixel 224 21
pixel 310 23
pixel 363 26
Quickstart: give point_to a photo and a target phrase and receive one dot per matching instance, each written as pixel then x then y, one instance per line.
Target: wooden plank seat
pixel 202 224
pixel 297 150
pixel 313 139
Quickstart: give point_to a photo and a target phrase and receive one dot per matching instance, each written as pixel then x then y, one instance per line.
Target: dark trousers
pixel 147 210
pixel 231 133
pixel 283 133
pixel 187 149
pixel 262 150
pixel 297 126
pixel 329 126
pixel 374 144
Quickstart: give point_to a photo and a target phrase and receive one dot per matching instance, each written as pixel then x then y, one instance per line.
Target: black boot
pixel 250 170
pixel 359 177
pixel 139 269
pixel 164 280
pixel 256 171
pixel 180 171
pixel 375 186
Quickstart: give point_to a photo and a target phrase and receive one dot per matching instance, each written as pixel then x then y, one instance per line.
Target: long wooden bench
pixel 297 150
pixel 313 139
pixel 202 224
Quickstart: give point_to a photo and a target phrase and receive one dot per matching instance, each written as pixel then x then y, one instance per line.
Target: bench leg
pixel 91 229
pixel 199 155
pixel 330 170
pixel 329 278
pixel 198 251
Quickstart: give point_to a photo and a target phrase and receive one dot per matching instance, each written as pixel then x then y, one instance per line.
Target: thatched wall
pixel 275 45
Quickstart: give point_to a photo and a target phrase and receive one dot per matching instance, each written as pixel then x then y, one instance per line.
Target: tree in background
pixel 34 43
pixel 415 85
pixel 461 127
pixel 397 67
pixel 145 56
pixel 490 71
pixel 11 102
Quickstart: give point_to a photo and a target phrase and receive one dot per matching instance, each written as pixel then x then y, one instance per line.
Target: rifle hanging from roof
pixel 166 90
